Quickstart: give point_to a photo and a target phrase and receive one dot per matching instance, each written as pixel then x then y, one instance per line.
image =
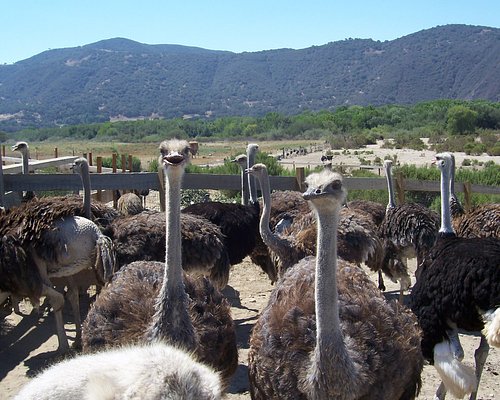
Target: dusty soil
pixel 28 342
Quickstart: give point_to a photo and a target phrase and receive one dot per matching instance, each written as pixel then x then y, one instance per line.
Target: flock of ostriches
pixel 160 327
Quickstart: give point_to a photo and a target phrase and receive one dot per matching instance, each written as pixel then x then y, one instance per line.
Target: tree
pixel 461 120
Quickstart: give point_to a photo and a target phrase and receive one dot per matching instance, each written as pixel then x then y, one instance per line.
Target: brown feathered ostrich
pixel 327 331
pixel 260 253
pixel 237 222
pixel 479 221
pixel 61 245
pixel 129 204
pixel 149 300
pixel 458 288
pixel 410 229
pixel 298 239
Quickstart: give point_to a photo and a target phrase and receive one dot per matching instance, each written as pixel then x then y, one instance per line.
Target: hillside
pixel 120 78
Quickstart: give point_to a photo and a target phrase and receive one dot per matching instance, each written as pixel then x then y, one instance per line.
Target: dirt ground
pixel 28 342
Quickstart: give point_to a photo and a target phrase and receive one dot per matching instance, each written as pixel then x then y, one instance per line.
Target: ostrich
pixel 480 221
pixel 375 211
pixel 129 204
pixel 61 245
pixel 410 230
pixel 260 254
pixel 147 300
pixel 458 288
pixel 23 149
pixel 298 240
pixel 154 371
pixel 327 331
pixel 238 222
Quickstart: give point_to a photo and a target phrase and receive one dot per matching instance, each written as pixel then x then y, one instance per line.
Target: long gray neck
pixel 85 176
pixel 171 321
pixel 25 155
pixel 277 244
pixel 251 180
pixel 330 352
pixel 446 226
pixel 390 189
pixel 326 295
pixel 245 195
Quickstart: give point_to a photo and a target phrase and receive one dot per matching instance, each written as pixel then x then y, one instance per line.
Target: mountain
pixel 121 78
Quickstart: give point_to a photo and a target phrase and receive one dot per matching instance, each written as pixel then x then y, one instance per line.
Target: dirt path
pixel 29 343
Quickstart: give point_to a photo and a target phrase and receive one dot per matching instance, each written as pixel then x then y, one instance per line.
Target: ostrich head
pixel 174 154
pixel 241 160
pixel 21 147
pixel 80 165
pixel 325 190
pixel 259 171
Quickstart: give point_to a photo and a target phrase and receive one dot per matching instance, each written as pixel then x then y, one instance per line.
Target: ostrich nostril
pixel 318 191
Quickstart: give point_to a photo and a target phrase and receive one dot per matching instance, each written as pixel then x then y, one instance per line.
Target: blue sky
pixel 28 27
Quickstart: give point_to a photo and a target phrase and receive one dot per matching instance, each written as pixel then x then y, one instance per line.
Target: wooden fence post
pixel 115 197
pixel 3 150
pixel 56 152
pixel 468 195
pixel 300 176
pixel 130 163
pixel 400 187
pixel 2 186
pixel 99 170
pixel 161 177
pixel 90 158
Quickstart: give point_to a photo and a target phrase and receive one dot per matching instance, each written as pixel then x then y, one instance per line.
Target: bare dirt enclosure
pixel 28 343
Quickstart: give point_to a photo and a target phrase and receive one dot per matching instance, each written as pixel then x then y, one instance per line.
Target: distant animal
pixel 148 301
pixel 327 331
pixel 458 288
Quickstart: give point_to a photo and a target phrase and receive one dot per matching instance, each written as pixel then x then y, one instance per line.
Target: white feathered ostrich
pixel 458 288
pixel 327 331
pixel 149 300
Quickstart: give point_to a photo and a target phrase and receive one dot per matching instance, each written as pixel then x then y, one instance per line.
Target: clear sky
pixel 28 27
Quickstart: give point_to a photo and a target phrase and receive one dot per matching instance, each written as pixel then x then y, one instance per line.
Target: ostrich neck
pixel 85 176
pixel 279 245
pixel 171 321
pixel 446 226
pixel 25 157
pixel 326 296
pixel 390 189
pixel 251 180
pixel 244 188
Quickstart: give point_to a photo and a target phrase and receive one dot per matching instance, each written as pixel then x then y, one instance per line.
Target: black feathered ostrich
pixel 147 300
pixel 327 331
pixel 458 288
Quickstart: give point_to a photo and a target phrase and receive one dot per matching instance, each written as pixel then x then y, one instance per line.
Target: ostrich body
pixel 327 331
pixel 375 211
pixel 410 228
pixel 141 237
pixel 458 288
pixel 149 300
pixel 129 204
pixel 480 221
pixel 154 372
